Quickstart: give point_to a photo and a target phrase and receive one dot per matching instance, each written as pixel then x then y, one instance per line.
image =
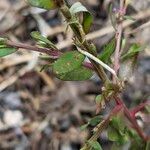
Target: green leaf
pixel 94 121
pixel 2 41
pixel 117 136
pixel 77 7
pixel 128 61
pixel 78 74
pixel 117 131
pixel 68 62
pixel 4 51
pixel 137 144
pixel 129 18
pixel 38 37
pixel 98 99
pixel 134 50
pixel 83 127
pixel 118 123
pixel 95 145
pixel 113 134
pixel 108 51
pixel 87 17
pixel 46 4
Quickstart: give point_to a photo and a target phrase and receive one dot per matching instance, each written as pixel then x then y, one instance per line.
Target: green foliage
pixel 69 67
pixel 117 130
pixel 94 145
pixel 78 74
pixel 87 17
pixel 132 52
pixel 45 4
pixel 98 99
pixel 108 50
pixel 4 51
pixel 129 18
pixel 93 122
pixel 84 127
pixel 39 38
pixel 68 62
pixel 2 41
pixel 128 61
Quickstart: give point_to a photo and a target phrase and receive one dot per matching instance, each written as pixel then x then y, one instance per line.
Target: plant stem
pixel 53 53
pixel 101 126
pixel 80 35
pixel 119 31
pixel 138 108
pixel 132 119
pixel 49 51
pixel 92 57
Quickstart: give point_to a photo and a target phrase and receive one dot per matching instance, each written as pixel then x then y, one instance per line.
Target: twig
pixel 80 36
pixel 101 126
pixel 138 108
pixel 119 31
pixel 49 51
pixel 106 30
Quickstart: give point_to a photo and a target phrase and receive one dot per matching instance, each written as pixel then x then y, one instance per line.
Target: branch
pixel 119 31
pixel 132 119
pixel 53 53
pixel 101 126
pixel 49 51
pixel 80 36
pixel 138 108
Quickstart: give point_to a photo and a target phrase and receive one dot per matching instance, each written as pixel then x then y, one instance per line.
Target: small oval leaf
pixel 87 17
pixel 4 51
pixel 40 38
pixel 78 74
pixel 68 62
pixel 46 4
pixel 133 51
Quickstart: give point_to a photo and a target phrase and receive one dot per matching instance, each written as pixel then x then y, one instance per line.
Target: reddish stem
pixel 53 53
pixel 88 65
pixel 132 119
pixel 138 108
pixel 50 51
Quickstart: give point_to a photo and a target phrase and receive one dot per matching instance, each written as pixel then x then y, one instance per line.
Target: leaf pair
pixel 69 67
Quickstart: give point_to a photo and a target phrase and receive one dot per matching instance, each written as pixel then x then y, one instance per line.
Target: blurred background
pixel 40 112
